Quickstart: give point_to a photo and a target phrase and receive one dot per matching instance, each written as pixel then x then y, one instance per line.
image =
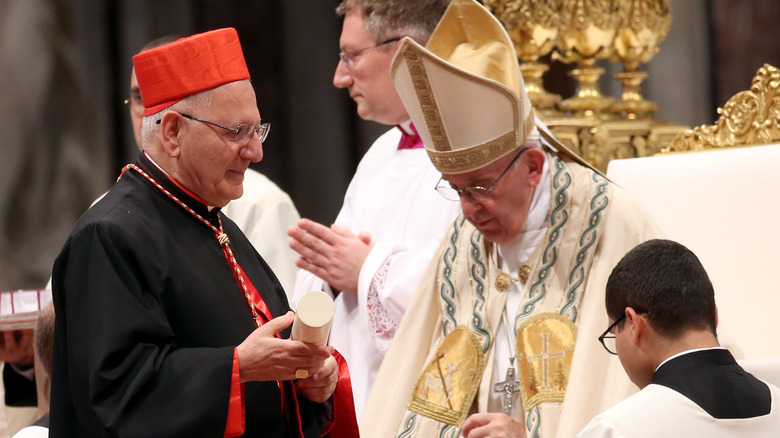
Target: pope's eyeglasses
pixel 477 193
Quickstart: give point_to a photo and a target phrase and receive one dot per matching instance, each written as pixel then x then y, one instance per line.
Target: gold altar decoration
pixel 533 26
pixel 588 29
pixel 597 127
pixel 645 24
pixel 749 118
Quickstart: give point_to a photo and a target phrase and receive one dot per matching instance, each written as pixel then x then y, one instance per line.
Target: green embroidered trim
pixel 409 423
pixel 533 423
pixel 448 431
pixel 578 276
pixel 559 216
pixel 478 273
pixel 446 287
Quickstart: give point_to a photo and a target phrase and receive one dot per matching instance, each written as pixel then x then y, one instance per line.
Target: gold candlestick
pixel 587 34
pixel 533 26
pixel 644 24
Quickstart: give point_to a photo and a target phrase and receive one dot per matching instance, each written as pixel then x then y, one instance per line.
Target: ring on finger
pixel 301 373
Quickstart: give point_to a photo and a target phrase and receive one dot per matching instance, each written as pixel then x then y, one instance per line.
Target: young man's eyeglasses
pixel 243 132
pixel 607 338
pixel 349 57
pixel 477 193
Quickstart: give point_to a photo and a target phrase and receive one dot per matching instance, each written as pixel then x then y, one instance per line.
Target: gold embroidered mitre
pixel 464 91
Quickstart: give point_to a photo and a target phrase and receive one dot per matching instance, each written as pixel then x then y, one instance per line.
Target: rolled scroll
pixel 313 318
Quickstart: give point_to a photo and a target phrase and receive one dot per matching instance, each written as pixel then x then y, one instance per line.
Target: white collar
pixel 515 253
pixel 406 127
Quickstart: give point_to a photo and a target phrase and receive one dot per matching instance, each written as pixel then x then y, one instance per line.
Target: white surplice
pixel 392 197
pixel 657 411
pixel 264 212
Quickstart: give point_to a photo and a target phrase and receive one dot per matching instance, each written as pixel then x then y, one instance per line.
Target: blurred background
pixel 64 73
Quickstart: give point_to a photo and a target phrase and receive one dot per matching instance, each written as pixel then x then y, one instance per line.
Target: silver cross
pixel 509 386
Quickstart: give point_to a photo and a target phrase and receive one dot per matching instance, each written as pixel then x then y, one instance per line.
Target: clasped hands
pixel 334 254
pixel 263 357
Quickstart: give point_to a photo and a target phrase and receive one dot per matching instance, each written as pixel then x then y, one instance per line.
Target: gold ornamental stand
pixel 598 127
pixel 533 26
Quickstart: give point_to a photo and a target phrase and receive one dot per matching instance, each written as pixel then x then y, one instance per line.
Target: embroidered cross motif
pixel 545 357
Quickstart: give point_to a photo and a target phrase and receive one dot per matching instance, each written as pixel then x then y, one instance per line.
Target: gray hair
pixel 196 103
pixel 387 19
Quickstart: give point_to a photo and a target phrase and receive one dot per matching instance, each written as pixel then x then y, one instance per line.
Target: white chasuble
pixel 590 225
pixel 544 324
pixel 264 212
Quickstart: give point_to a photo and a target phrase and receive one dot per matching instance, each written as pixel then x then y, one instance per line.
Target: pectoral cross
pixel 509 386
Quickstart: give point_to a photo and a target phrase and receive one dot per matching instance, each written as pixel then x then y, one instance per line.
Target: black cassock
pixel 713 380
pixel 148 316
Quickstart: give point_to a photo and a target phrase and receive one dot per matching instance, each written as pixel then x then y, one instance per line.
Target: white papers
pixel 19 309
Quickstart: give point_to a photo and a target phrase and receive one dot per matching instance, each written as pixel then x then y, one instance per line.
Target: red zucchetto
pixel 169 73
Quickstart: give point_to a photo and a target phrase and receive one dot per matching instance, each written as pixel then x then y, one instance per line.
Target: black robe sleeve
pixel 122 356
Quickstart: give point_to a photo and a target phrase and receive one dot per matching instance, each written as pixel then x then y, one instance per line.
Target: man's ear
pixel 170 126
pixel 533 158
pixel 639 325
pixel 716 316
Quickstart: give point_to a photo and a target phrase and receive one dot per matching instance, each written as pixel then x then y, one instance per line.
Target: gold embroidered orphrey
pixel 503 280
pixel 545 346
pixel 446 388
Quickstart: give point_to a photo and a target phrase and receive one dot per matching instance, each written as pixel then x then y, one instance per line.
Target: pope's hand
pixel 262 357
pixel 321 383
pixel 492 425
pixel 334 254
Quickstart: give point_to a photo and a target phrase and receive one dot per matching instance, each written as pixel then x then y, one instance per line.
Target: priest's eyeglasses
pixel 477 193
pixel 607 338
pixel 349 57
pixel 243 132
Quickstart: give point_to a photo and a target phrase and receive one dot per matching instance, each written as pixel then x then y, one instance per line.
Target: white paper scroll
pixel 313 318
